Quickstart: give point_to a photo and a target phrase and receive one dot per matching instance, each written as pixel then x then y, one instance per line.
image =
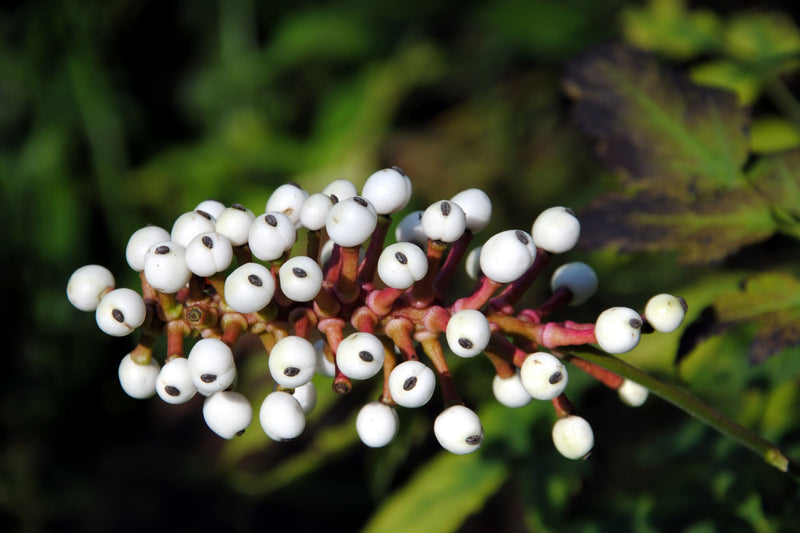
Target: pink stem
pixel 506 300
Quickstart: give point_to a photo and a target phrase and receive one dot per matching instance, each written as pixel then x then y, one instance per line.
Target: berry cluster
pixel 351 308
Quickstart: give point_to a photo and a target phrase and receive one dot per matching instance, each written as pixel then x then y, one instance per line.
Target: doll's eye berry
pixel 255 280
pixel 401 258
pixel 239 207
pixel 299 272
pixel 555 378
pixel 208 378
pixel 207 242
pixel 203 214
pixel 445 207
pixel 172 391
pixel 521 237
pixel 465 343
pixel 162 250
pixel 291 371
pixel 474 440
pixel 271 220
pixel 360 201
pixel 118 316
pixel 410 383
pixel 636 323
pixel 365 356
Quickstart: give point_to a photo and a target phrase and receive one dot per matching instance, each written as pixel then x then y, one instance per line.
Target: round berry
pixel 401 264
pixel 339 190
pixel 249 288
pixel 324 366
pixel 458 430
pixel 444 221
pixel 141 241
pixel 477 207
pixel 665 312
pixel 556 230
pixel 190 224
pixel 165 267
pixel 618 329
pixel 389 190
pixel 300 278
pixel 271 235
pixel 573 437
pixel 360 355
pixel 507 255
pixel 209 253
pixel 211 366
pixel 306 396
pixel 351 221
pixel 510 391
pixel 292 361
pixel 234 222
pixel 409 229
pixel 288 199
pixel 468 333
pixel 138 381
pixel 227 413
pixel 212 207
pixel 315 211
pixel 578 277
pixel 120 312
pixel 411 384
pixel 543 376
pixel 174 382
pixel 472 263
pixel 377 424
pixel 632 394
pixel 281 416
pixel 87 286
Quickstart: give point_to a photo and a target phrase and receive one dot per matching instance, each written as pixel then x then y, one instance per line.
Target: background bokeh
pixel 118 114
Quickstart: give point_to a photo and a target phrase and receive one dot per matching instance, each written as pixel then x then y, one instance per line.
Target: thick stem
pixel 454 257
pixel 400 330
pixel 506 300
pixel 563 406
pixel 366 270
pixel 512 356
pixel 303 320
pixel 312 244
pixel 389 362
pixel 364 320
pixel 345 286
pixel 171 308
pixel 233 325
pixel 143 352
pixel 176 330
pixel 560 298
pixel 482 293
pixel 333 329
pixel 381 301
pixel 421 293
pixel 433 349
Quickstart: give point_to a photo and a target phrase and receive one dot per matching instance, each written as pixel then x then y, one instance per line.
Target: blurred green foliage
pixel 118 114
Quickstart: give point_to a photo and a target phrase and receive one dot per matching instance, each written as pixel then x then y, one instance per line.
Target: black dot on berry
pixel 293 184
pixel 555 377
pixel 636 323
pixel 240 207
pixel 365 356
pixel 474 440
pixel 291 371
pixel 410 383
pixel 571 212
pixel 208 242
pixel 203 214
pixel 117 315
pixel 360 201
pixel 334 198
pixel 299 272
pixel 161 250
pixel 208 378
pixel 684 305
pixel 172 391
pixel 240 432
pixel 445 207
pixel 271 220
pixel 255 280
pixel 401 258
pixel 521 237
pixel 398 170
pixel 465 343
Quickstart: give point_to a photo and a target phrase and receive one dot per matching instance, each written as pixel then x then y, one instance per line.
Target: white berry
pixel 315 211
pixel 458 430
pixel 324 367
pixel 190 224
pixel 281 416
pixel 360 355
pixel 389 190
pixel 339 190
pixel 507 255
pixel 211 366
pixel 468 333
pixel 377 424
pixel 444 221
pixel 351 221
pixel 141 241
pixel 409 229
pixel 209 253
pixel 573 437
pixel 543 375
pixel 579 278
pixel 401 264
pixel 472 263
pixel 227 413
pixel 138 381
pixel 210 206
pixel 174 384
pixel 510 391
pixel 249 288
pixel 271 235
pixel 292 361
pixel 618 329
pixel 120 312
pixel 87 286
pixel 556 230
pixel 477 207
pixel 665 312
pixel 411 384
pixel 306 396
pixel 287 199
pixel 165 267
pixel 632 394
pixel 234 222
pixel 300 278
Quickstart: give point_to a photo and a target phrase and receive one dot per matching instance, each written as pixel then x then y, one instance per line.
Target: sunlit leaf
pixel 729 76
pixel 768 39
pixel 777 178
pixel 773 134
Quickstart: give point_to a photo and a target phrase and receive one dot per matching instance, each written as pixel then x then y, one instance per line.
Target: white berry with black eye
pixel 409 229
pixel 578 277
pixel 351 221
pixel 573 437
pixel 360 355
pixel 477 207
pixel 120 312
pixel 292 361
pixel 556 230
pixel 618 329
pixel 141 241
pixel 315 211
pixel 288 199
pixel 165 267
pixel 300 278
pixel 190 224
pixel 468 333
pixel 212 207
pixel 543 376
pixel 209 253
pixel 324 366
pixel 401 264
pixel 377 424
pixel 633 394
pixel 444 221
pixel 472 263
pixel 507 255
pixel 211 366
pixel 665 312
pixel 249 288
pixel 510 391
pixel 411 384
pixel 282 417
pixel 227 413
pixel 458 430
pixel 138 381
pixel 271 234
pixel 174 384
pixel 234 222
pixel 388 189
pixel 306 396
pixel 87 286
pixel 339 190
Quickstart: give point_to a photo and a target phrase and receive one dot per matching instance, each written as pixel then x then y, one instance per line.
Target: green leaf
pixel 663 132
pixel 777 178
pixel 773 134
pixel 764 39
pixel 729 76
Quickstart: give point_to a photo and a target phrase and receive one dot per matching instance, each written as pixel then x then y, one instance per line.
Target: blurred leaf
pixel 773 134
pixel 729 76
pixel 765 39
pixel 777 179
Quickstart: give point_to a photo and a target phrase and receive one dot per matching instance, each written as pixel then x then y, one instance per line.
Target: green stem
pixel 688 403
pixel 783 98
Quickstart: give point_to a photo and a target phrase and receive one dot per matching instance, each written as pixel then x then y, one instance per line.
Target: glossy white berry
pixel 573 437
pixel 281 416
pixel 287 199
pixel 665 312
pixel 556 230
pixel 324 366
pixel 339 190
pixel 409 229
pixel 477 207
pixel 165 267
pixel 388 189
pixel 306 396
pixel 211 366
pixel 578 277
pixel 412 383
pixel 472 263
pixel 271 235
pixel 377 424
pixel 510 391
pixel 190 224
pixel 300 278
pixel 227 413
pixel 444 221
pixel 315 211
pixel 618 329
pixel 249 288
pixel 507 255
pixel 138 381
pixel 543 376
pixel 458 430
pixel 174 383
pixel 468 333
pixel 401 264
pixel 360 355
pixel 633 394
pixel 209 253
pixel 234 222
pixel 120 312
pixel 141 241
pixel 87 286
pixel 212 207
pixel 351 221
pixel 292 361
